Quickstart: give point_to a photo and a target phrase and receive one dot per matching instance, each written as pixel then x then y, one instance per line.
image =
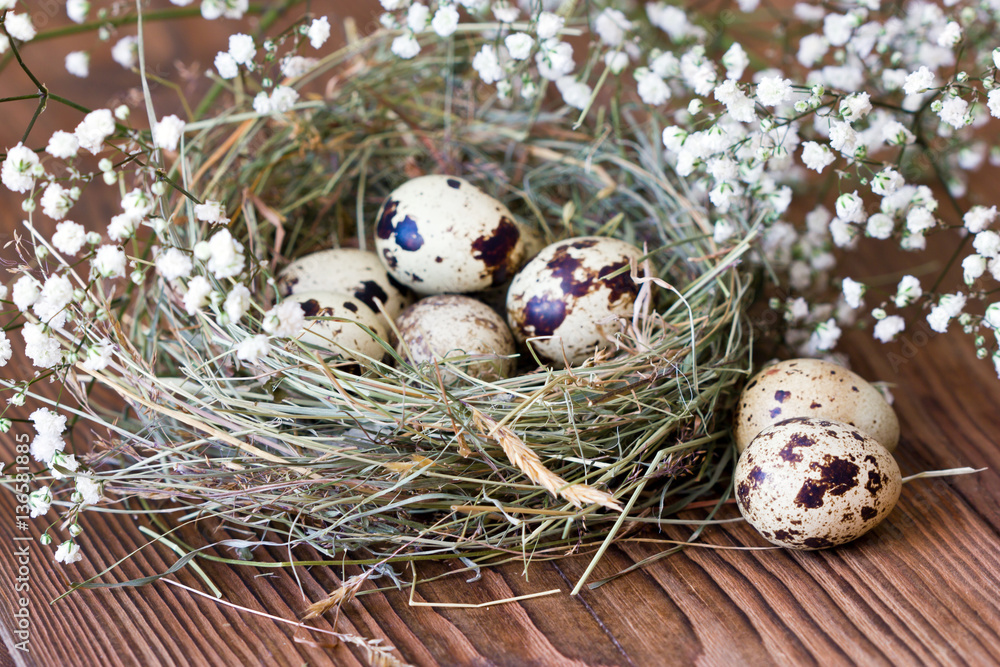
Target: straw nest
pixel 384 460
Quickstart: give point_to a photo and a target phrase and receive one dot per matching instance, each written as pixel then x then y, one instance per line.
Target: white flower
pixel 319 32
pixel 837 28
pixel 445 21
pixel 950 36
pixel 211 212
pixel 226 260
pixel 98 356
pixel 549 25
pixel 125 50
pixel 26 292
pixel 77 10
pixel 954 111
pixel 78 63
pixel 673 138
pixel 850 207
pixel 69 237
pixel 653 90
pixel 293 67
pixel 56 201
pixel 68 552
pixel 979 218
pixel 405 46
pixel 252 349
pixel 973 267
pixel 812 48
pixel 283 98
pixel 855 107
pixel 62 145
pixel 735 60
pixel 991 317
pixel 20 168
pixel 174 263
pixel 262 103
pixel 919 81
pixel 137 203
pixel 416 17
pixel 907 291
pixel 616 61
pixel 887 181
pixel 196 296
pixel 237 303
pixel 853 292
pixel 226 65
pixel 108 262
pixel 825 336
pixel 993 102
pixel 895 133
pixel 889 327
pixel 554 59
pixel 121 227
pixel 723 230
pixel 167 132
pixel 56 294
pixel 487 63
pixel 39 501
pixel 816 156
pixel 919 219
pixel 20 27
pixel 773 90
pixel 611 26
pixel 938 319
pixel 6 352
pixel 574 93
pixel 49 427
pixel 503 12
pixel 230 9
pixel 987 243
pixel 286 320
pixel 912 241
pixel 63 465
pixel 843 138
pixel 739 106
pixel 89 489
pixel 43 349
pixel 519 45
pixel 95 127
pixel 879 226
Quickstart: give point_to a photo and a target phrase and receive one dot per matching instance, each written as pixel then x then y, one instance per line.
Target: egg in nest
pixel 570 298
pixel 342 335
pixel 438 234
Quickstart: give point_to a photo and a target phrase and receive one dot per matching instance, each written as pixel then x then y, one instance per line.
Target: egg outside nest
pixel 808 483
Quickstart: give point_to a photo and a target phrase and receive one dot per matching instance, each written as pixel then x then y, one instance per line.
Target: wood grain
pixel 920 589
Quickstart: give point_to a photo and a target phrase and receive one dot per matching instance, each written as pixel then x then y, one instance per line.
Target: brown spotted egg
pixel 809 483
pixel 342 336
pixel 459 330
pixel 347 270
pixel 438 234
pixel 813 388
pixel 565 301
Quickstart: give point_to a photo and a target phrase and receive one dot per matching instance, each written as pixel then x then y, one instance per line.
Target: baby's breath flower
pixel 212 212
pixel 196 296
pixel 242 49
pixel 816 156
pixel 554 59
pixel 99 356
pixel 167 132
pixel 519 45
pixel 230 9
pixel 549 25
pixel 987 243
pixel 226 65
pixel 735 60
pixel 108 262
pixel 487 63
pixel 252 349
pixel 39 501
pixel 6 352
pixel 611 26
pixel 56 201
pixel 68 552
pixel 616 61
pixel 919 81
pixel 63 465
pixel 94 129
pixel 405 46
pixel 49 427
pixel 20 168
pixel 880 226
pixel 973 267
pixel 417 17
pixel 445 21
pixel 26 292
pixel 77 10
pixel 20 27
pixel 574 93
pixel 853 292
pixel 78 63
pixel 174 263
pixel 773 90
pixel 125 51
pixel 62 145
pixel 825 336
pixel 226 260
pixel 237 303
pixel 286 320
pixel 888 328
pixel 89 489
pixel 907 291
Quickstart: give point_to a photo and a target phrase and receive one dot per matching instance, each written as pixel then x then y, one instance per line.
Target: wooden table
pixel 920 589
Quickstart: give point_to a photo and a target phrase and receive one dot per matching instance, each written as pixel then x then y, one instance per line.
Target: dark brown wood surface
pixel 922 588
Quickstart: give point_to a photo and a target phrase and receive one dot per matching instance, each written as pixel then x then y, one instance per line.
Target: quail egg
pixel 440 234
pixel 811 483
pixel 344 336
pixel 460 330
pixel 813 388
pixel 564 301
pixel 347 270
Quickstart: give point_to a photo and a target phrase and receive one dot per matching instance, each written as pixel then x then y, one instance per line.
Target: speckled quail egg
pixel 347 270
pixel 813 388
pixel 563 300
pixel 809 483
pixel 460 330
pixel 440 234
pixel 345 339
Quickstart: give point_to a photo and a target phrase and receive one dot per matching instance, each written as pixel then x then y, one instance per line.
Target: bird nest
pixel 384 460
